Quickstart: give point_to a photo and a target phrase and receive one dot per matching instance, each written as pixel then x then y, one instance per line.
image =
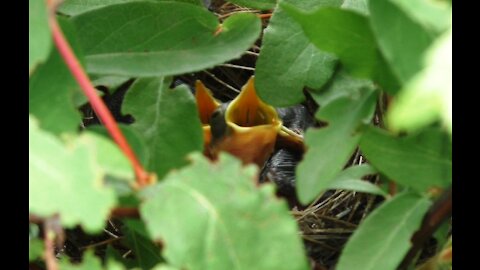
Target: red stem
pixel 97 103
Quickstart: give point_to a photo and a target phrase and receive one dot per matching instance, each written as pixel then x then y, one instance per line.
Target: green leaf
pixel 258 4
pixel 288 61
pixel 383 239
pixel 237 224
pixel 420 161
pixel 165 267
pixel 89 262
pixel 341 85
pixel 329 148
pixel 161 38
pixel 359 6
pixel 76 7
pixel 114 265
pixel 435 16
pixel 350 179
pixel 35 249
pixel 351 40
pixel 35 245
pixel 428 96
pixel 168 121
pixel 39 39
pixel 358 172
pixel 146 253
pixel 358 186
pixel 109 156
pixel 401 40
pixel 74 175
pixel 51 90
pixel 133 137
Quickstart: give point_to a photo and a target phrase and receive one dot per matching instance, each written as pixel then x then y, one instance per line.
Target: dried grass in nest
pixel 327 223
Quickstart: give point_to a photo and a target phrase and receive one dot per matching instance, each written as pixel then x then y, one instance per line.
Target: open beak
pixel 206 105
pixel 252 127
pixel 247 127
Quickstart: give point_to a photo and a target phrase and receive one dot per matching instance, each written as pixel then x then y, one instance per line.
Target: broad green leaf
pixel 420 161
pixel 161 38
pixel 341 85
pixel 358 172
pixel 89 262
pixel 350 179
pixel 168 121
pixel 288 61
pixel 433 15
pixel 383 239
pixel 349 36
pixel 134 139
pixel 258 4
pixel 359 6
pixel 76 7
pixel 358 186
pixel 146 253
pixel 51 90
pixel 428 96
pixel 108 155
pixel 329 148
pixel 237 224
pixel 401 40
pixel 39 39
pixel 66 180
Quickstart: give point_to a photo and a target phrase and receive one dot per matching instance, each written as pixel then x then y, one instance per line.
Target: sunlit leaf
pixel 237 224
pixel 401 39
pixel 428 96
pixel 75 176
pixel 89 262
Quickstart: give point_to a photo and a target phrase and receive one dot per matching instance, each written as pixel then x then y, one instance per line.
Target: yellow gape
pixel 246 127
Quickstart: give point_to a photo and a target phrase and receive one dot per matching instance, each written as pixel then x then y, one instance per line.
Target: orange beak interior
pixel 206 105
pixel 253 127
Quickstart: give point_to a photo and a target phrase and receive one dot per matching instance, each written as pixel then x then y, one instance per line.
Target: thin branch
pixel 237 66
pixel 251 53
pixel 125 212
pixel 104 114
pixel 439 212
pixel 222 82
pixel 102 243
pixel 49 253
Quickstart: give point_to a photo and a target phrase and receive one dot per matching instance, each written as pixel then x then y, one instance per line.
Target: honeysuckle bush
pixel 350 55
